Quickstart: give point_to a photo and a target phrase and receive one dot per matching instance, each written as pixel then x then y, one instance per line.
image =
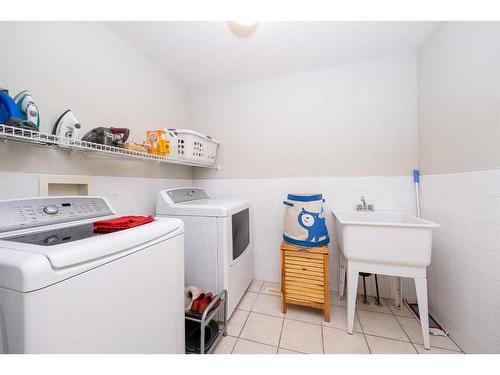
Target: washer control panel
pixel 184 195
pixel 35 212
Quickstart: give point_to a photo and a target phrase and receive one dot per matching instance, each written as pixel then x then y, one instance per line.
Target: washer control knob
pixel 51 210
pixel 51 240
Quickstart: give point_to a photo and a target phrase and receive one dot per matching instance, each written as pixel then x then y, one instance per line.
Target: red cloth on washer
pixel 120 223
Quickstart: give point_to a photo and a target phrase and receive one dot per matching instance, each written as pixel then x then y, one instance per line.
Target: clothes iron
pixel 115 137
pixel 27 108
pixel 67 126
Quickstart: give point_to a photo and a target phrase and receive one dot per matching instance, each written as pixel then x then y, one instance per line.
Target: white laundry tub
pixel 388 244
pixel 384 238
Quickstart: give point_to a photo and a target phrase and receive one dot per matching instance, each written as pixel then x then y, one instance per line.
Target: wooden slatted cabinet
pixel 305 277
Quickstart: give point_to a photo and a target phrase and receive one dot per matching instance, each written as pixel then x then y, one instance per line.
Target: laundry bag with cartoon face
pixel 305 220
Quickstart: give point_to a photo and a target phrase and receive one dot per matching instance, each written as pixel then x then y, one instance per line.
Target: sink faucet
pixel 363 206
pixel 364 202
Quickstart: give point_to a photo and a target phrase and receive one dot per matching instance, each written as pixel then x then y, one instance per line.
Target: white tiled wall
pixel 267 195
pixel 464 276
pixel 127 195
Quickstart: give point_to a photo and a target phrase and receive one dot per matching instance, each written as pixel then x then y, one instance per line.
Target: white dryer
pixel 66 289
pixel 218 245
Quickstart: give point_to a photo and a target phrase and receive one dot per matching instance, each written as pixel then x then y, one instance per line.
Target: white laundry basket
pixel 188 145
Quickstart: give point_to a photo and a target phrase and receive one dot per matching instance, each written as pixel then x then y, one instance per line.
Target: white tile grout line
pixel 362 329
pixel 322 336
pixel 290 350
pixel 389 338
pixel 234 345
pixel 399 323
pixel 241 330
pixel 282 321
pixel 281 332
pixel 246 320
pixel 256 342
pixel 321 325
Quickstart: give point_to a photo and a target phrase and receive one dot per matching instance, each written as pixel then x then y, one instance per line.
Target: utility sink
pixel 384 243
pixel 384 238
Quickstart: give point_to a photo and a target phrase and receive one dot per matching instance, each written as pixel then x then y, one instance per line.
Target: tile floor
pixel 259 327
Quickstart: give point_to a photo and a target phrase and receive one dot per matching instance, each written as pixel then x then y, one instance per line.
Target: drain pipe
pixel 416 181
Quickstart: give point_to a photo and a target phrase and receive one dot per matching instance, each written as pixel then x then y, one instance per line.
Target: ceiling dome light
pixel 245 22
pixel 243 28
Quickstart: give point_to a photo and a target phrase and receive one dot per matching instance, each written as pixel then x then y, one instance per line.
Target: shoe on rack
pixel 196 303
pixel 207 299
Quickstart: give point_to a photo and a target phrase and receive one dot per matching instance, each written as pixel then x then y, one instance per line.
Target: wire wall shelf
pixel 17 134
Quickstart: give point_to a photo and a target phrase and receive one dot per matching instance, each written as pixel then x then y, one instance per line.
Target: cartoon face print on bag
pixel 314 223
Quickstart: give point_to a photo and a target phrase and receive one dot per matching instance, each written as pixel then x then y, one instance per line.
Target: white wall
pixel 459 130
pixel 351 120
pixel 2 32
pixel 459 98
pixel 85 67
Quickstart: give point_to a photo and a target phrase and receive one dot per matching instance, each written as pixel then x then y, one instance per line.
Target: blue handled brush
pixel 416 181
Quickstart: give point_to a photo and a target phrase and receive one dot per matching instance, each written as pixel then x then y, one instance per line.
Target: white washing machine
pixel 218 246
pixel 66 289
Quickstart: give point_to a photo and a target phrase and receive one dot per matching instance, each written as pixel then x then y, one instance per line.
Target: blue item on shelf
pixel 8 107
